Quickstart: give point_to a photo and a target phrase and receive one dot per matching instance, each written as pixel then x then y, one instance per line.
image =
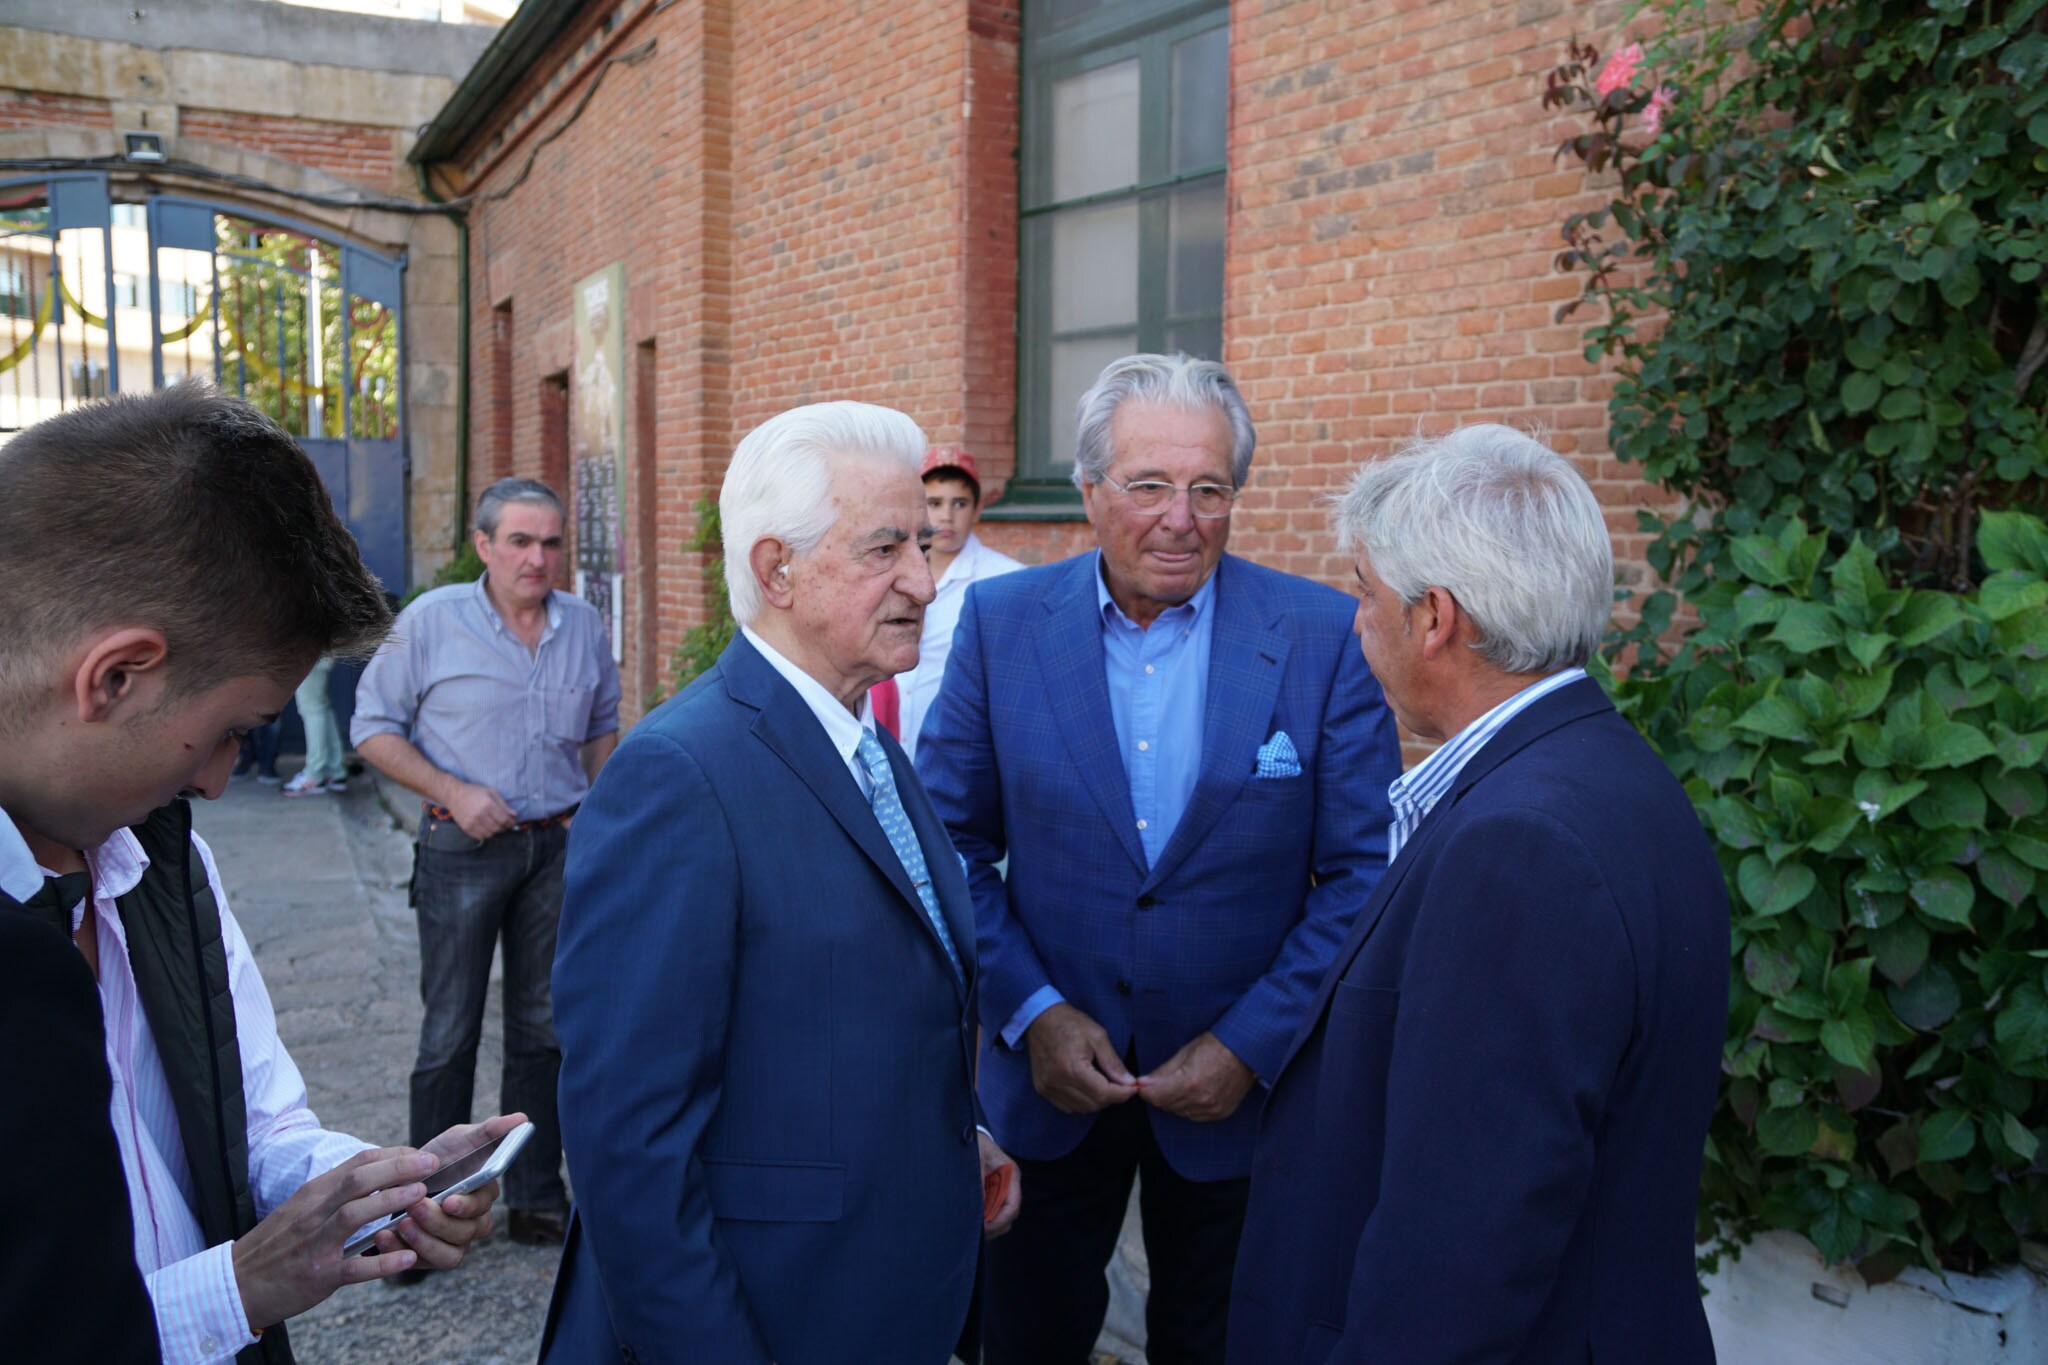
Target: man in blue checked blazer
pixel 766 977
pixel 1486 1144
pixel 1184 759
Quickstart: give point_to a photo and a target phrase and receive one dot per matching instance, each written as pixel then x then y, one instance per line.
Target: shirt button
pixel 1143 746
pixel 1148 668
pixel 209 1347
pixel 1141 824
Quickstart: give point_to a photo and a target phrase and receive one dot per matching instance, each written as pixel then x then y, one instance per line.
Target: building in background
pixel 962 208
pixel 220 191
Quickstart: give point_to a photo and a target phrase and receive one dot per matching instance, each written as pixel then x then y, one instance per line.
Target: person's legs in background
pixel 324 770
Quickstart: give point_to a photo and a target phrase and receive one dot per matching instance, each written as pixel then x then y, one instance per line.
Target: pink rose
pixel 1619 71
pixel 1659 105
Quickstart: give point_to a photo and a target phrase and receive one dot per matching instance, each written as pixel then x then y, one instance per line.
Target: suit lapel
pixel 1071 660
pixel 1560 708
pixel 787 727
pixel 1246 661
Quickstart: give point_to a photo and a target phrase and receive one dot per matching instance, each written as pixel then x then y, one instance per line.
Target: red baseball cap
pixel 940 458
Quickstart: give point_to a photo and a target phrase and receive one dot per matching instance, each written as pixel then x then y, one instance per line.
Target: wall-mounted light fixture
pixel 143 147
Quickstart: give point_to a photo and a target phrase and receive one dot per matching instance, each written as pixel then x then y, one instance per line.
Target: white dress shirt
pixel 842 726
pixel 919 688
pixel 199 1314
pixel 20 877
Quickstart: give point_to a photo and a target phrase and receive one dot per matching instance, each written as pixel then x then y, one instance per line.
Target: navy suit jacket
pixel 766 1093
pixel 1487 1144
pixel 1235 925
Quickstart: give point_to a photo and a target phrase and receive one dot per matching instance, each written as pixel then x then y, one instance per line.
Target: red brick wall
pixel 366 155
pixel 1394 217
pixel 32 109
pixel 819 201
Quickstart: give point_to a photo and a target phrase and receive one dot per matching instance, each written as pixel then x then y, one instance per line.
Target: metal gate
pixel 108 288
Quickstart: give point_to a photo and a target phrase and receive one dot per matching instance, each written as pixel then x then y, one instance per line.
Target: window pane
pixel 1203 340
pixel 1201 99
pixel 1095 267
pixel 1194 260
pixel 1095 131
pixel 1075 365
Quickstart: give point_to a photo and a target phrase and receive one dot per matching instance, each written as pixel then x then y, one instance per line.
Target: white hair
pixel 1176 381
pixel 1506 526
pixel 779 484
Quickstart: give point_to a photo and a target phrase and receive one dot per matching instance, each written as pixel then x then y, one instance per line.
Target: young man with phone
pixel 173 567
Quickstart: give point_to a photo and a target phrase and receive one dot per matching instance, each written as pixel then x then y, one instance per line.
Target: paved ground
pixel 319 887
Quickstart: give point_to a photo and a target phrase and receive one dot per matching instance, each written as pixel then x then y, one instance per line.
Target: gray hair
pixel 1174 380
pixel 1506 526
pixel 779 484
pixel 490 504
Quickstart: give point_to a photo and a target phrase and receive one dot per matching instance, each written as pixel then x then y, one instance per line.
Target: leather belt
pixel 560 818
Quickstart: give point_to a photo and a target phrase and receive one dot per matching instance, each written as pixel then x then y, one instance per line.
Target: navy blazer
pixel 766 1094
pixel 1235 925
pixel 1487 1145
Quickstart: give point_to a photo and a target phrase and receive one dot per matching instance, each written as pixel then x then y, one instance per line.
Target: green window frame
pixel 1146 214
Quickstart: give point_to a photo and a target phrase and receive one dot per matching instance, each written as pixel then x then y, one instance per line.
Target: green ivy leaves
pixel 1823 282
pixel 1884 823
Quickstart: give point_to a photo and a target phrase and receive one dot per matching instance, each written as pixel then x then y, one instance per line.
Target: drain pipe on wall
pixel 460 217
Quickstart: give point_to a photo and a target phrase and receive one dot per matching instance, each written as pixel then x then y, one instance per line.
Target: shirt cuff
pixel 199 1315
pixel 1035 1004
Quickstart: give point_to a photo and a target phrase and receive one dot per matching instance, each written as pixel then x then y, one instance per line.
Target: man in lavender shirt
pixel 497 701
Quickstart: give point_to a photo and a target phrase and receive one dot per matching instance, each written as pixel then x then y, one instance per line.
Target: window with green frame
pixel 1122 209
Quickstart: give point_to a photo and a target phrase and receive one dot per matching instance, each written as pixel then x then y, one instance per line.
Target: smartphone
pixel 475 1167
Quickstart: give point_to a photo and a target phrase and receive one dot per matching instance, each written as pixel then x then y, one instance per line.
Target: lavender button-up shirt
pixel 468 694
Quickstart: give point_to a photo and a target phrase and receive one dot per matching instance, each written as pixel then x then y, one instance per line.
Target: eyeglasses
pixel 1209 500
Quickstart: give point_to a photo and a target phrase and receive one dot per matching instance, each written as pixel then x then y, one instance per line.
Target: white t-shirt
pixel 919 688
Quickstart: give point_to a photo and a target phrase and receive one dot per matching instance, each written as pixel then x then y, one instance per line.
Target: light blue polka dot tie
pixel 895 823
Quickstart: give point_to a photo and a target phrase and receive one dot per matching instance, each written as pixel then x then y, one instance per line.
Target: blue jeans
pixel 467 895
pixel 323 736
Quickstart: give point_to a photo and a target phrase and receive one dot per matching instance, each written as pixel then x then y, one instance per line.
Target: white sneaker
pixel 305 785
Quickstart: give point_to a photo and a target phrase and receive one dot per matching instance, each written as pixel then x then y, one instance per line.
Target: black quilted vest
pixel 181 975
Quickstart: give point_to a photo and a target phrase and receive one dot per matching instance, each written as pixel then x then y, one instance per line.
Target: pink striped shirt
pixel 198 1306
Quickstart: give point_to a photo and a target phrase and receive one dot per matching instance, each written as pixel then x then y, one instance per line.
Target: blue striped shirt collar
pixel 1415 793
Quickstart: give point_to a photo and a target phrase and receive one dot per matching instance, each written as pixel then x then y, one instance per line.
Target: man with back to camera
pixel 497 701
pixel 174 567
pixel 1182 755
pixel 1487 1144
pixel 766 983
pixel 952 502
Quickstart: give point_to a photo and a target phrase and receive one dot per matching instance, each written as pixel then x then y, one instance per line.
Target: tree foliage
pixel 1821 275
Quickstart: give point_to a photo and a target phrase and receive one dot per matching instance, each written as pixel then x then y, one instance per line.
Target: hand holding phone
pixel 477 1167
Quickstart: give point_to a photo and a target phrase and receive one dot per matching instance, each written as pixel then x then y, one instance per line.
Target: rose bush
pixel 1820 275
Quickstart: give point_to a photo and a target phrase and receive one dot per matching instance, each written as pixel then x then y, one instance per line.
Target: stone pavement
pixel 319 885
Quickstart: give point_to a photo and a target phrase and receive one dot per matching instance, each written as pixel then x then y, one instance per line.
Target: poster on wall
pixel 597 437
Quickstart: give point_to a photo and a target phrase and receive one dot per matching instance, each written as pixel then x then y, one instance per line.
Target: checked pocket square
pixel 1277 757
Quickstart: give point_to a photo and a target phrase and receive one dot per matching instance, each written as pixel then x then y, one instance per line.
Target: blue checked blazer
pixel 1234 927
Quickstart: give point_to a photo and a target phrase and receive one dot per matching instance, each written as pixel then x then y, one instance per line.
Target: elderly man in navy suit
pixel 765 981
pixel 1183 757
pixel 1486 1145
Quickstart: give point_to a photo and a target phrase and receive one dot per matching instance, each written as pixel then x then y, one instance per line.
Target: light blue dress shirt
pixel 469 695
pixel 1158 694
